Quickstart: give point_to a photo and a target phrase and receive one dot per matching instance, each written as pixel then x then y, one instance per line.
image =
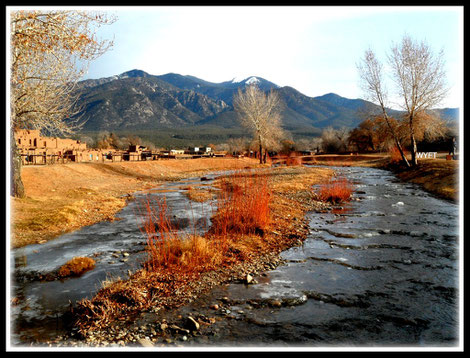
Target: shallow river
pixel 381 272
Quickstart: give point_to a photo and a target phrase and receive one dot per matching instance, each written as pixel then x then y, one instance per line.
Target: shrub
pixel 76 267
pixel 242 209
pixel 335 190
pixel 293 160
pixel 243 205
pixel 168 250
pixel 395 156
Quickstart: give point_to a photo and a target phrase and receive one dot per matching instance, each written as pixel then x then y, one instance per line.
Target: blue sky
pixel 313 49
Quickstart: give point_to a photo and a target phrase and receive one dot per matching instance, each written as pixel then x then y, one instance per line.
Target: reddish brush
pixel 335 191
pixel 243 205
pixel 293 160
pixel 395 156
pixel 160 234
pixel 242 208
pixel 169 250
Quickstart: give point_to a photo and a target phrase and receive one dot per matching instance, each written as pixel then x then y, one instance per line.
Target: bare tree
pixel 335 140
pixel 260 113
pixel 372 83
pixel 237 145
pixel 50 51
pixel 420 79
pixel 316 144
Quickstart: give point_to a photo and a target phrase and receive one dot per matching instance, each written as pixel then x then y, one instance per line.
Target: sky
pixel 314 49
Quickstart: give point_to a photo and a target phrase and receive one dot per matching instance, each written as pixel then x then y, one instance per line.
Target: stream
pixel 382 271
pixel 118 248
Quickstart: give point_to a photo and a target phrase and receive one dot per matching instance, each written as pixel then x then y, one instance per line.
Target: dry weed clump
pixel 335 190
pixel 77 266
pixel 198 194
pixel 243 209
pixel 169 250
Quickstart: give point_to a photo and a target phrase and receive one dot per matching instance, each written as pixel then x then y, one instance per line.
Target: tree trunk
pixel 371 143
pixel 395 137
pixel 260 154
pixel 16 184
pixel 414 149
pixel 402 153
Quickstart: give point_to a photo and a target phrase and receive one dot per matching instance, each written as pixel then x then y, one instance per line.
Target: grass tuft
pixel 335 190
pixel 76 267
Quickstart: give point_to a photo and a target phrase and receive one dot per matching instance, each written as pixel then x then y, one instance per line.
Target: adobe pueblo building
pixel 35 149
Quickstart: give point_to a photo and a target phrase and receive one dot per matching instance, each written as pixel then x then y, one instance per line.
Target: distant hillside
pixel 137 101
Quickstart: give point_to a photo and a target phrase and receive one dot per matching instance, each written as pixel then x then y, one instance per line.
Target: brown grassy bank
pixel 436 176
pixel 366 160
pixel 65 197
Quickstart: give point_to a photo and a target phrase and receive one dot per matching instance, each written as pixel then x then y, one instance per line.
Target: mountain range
pixel 136 101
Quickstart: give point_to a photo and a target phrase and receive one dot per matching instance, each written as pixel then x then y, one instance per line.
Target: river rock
pixel 191 324
pixel 249 279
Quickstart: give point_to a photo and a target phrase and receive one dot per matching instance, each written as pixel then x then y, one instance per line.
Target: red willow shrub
pixel 171 251
pixel 243 205
pixel 160 234
pixel 242 208
pixel 335 190
pixel 395 156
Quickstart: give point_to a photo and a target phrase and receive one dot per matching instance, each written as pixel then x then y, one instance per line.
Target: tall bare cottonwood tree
pixel 420 79
pixel 372 82
pixel 49 53
pixel 261 114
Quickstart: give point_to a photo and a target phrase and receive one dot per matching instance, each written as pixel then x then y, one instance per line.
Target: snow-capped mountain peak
pixel 247 81
pixel 252 80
